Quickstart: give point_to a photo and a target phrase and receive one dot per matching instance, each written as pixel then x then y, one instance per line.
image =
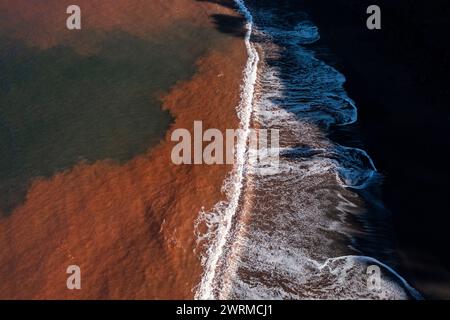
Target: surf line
pixel 205 290
pixel 409 289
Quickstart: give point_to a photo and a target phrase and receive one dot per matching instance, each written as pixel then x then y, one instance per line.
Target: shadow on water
pixel 59 108
pixel 224 3
pixel 228 24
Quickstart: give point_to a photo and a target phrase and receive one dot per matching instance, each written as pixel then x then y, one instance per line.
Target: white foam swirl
pixel 275 235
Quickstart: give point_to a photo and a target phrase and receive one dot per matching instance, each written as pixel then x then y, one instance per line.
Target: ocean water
pixel 314 227
pixel 59 107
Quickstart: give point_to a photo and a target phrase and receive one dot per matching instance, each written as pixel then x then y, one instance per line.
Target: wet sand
pixel 129 227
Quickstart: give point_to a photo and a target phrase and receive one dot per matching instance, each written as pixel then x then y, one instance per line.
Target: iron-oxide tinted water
pixel 59 107
pixel 291 232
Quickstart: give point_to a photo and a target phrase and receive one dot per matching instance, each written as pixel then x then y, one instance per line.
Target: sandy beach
pixel 130 227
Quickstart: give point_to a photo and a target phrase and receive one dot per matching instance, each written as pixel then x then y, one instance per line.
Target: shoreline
pixel 244 110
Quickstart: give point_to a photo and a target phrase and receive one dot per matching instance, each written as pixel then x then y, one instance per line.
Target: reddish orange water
pixel 129 227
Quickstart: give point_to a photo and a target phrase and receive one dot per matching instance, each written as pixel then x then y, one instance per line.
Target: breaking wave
pixel 233 184
pixel 287 232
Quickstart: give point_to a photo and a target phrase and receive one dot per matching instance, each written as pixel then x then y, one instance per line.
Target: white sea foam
pixel 233 185
pixel 284 231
